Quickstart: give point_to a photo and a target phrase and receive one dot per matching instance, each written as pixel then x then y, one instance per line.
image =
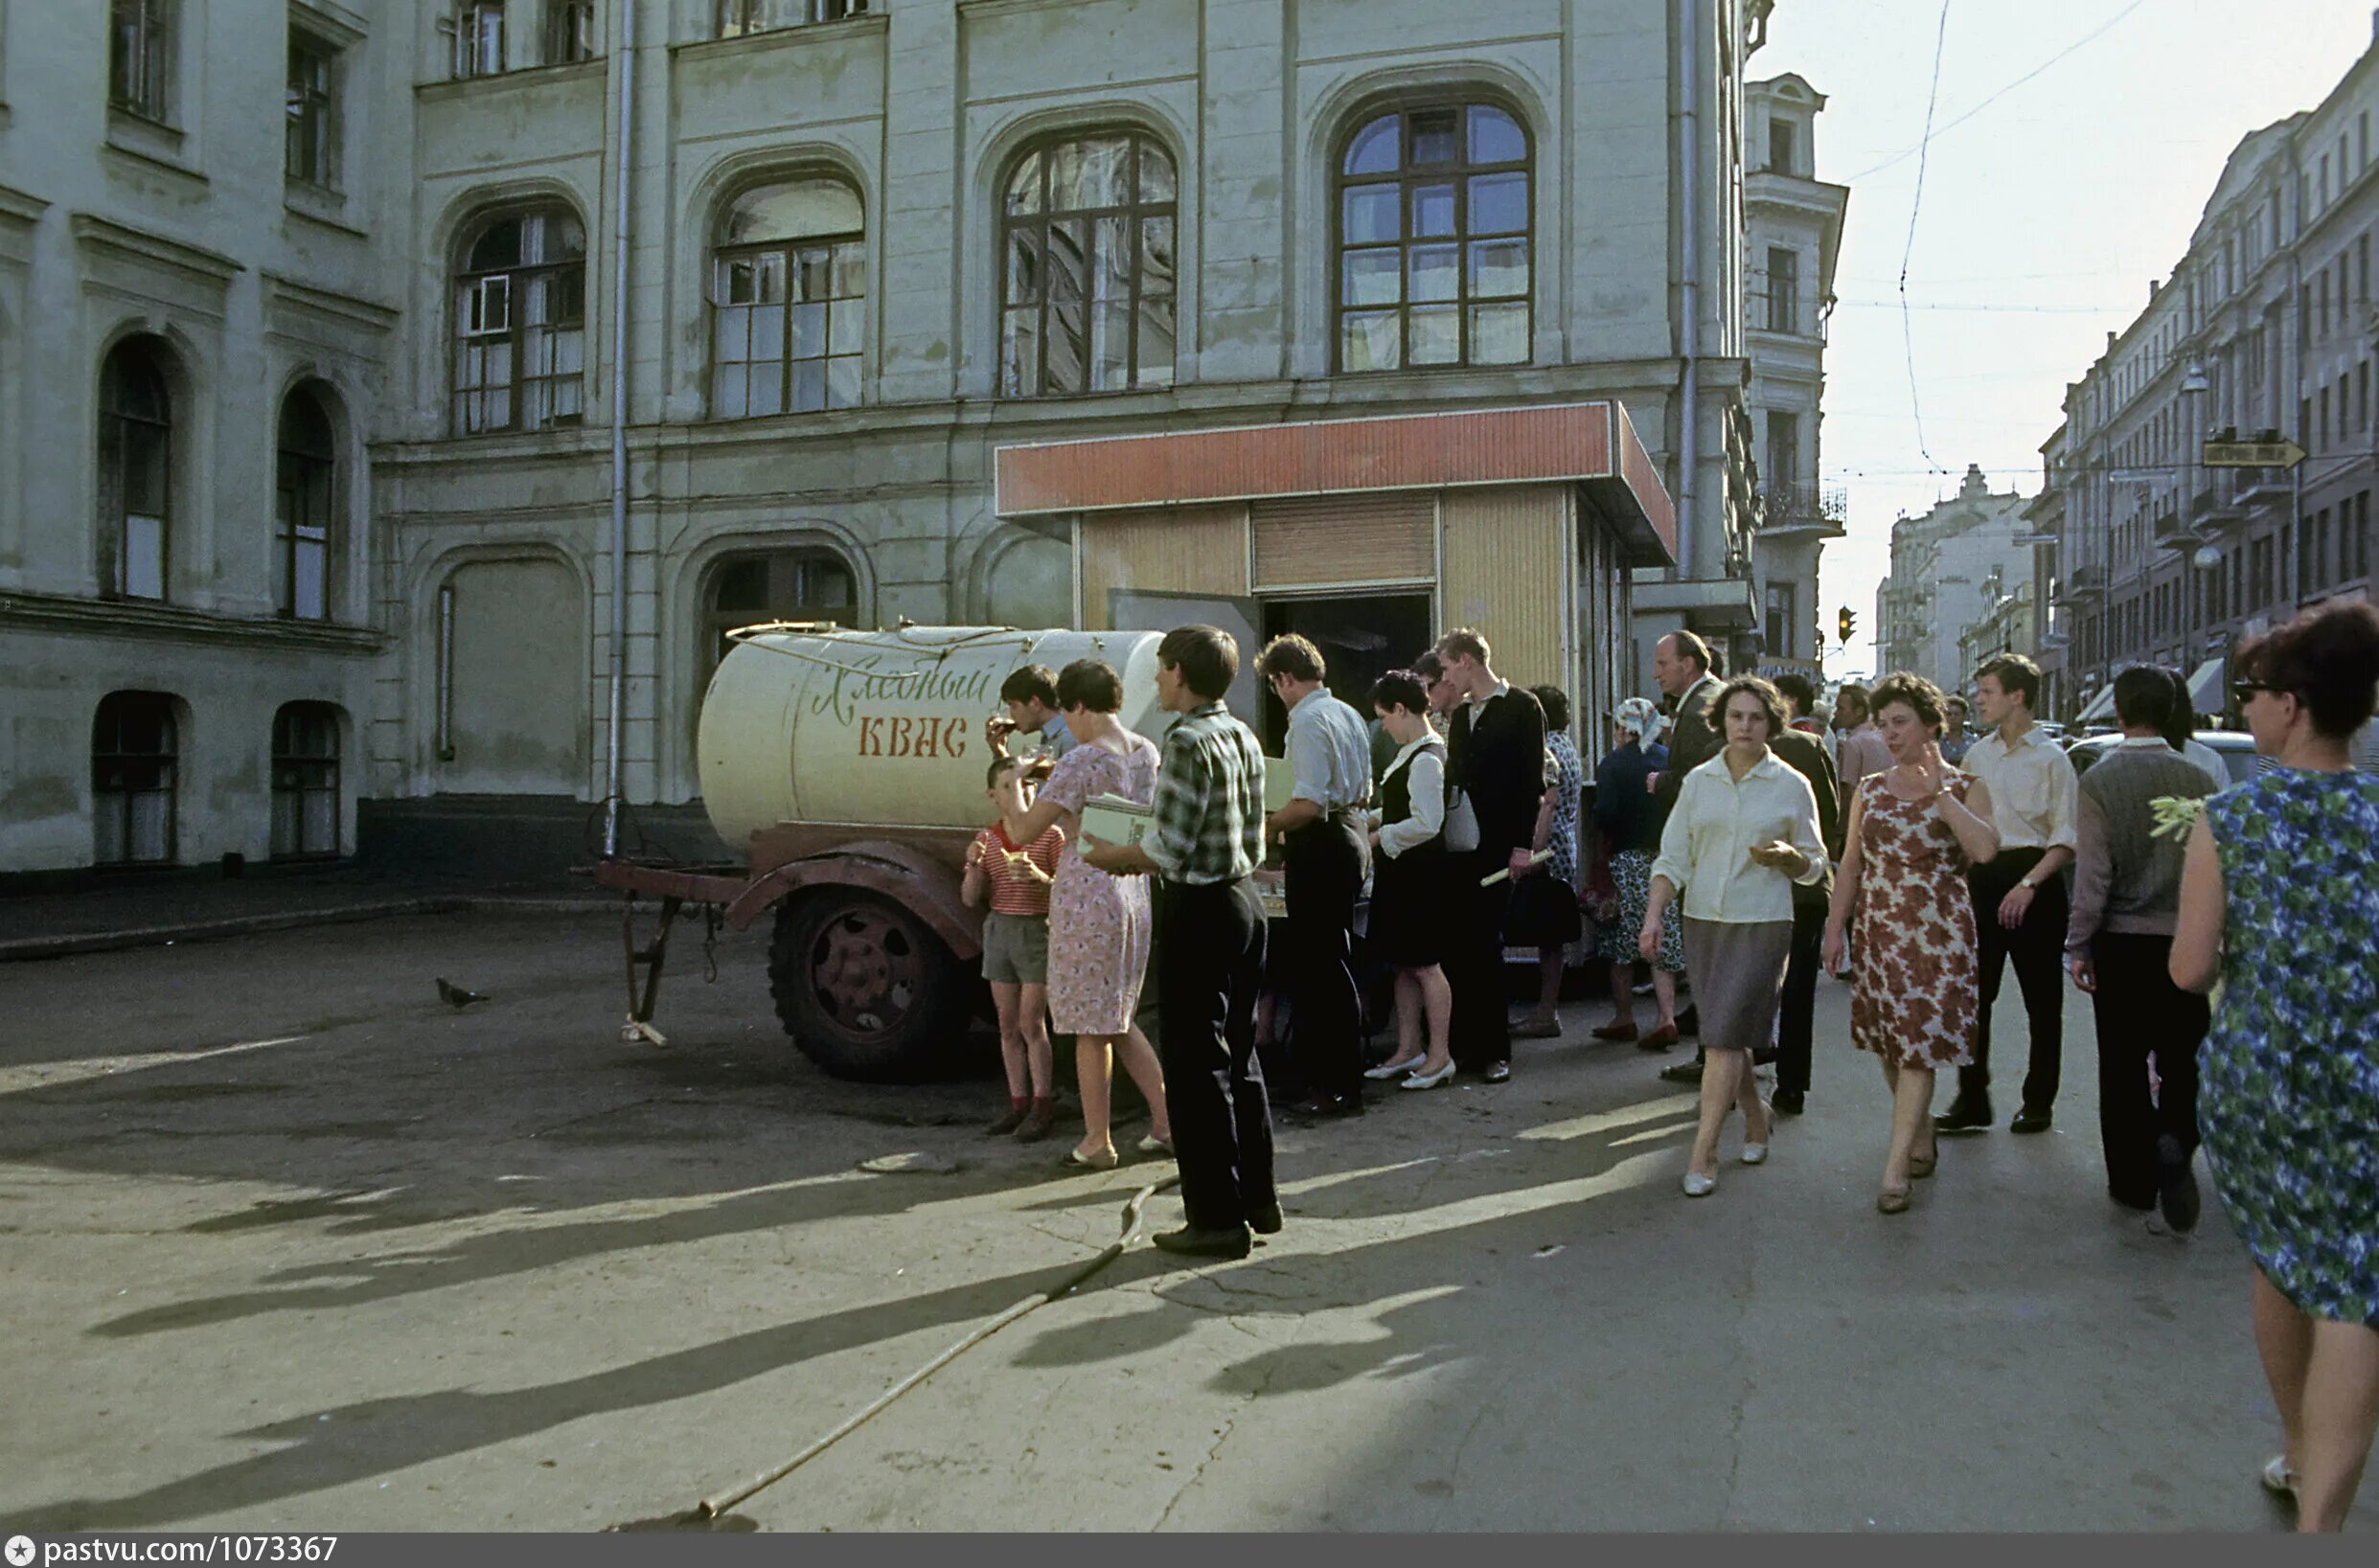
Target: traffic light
pixel 1845 625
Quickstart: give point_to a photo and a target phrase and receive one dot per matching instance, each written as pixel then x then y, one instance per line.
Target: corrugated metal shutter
pixel 1342 540
pixel 1188 550
pixel 1507 574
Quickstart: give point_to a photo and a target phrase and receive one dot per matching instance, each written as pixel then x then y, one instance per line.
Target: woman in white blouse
pixel 1744 830
pixel 1409 872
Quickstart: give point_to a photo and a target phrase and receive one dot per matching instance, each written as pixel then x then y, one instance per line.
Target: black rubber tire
pixel 866 990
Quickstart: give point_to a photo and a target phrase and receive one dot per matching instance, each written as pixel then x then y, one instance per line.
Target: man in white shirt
pixel 1325 852
pixel 1861 749
pixel 2019 897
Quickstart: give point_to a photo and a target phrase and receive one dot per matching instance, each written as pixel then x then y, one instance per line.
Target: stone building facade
pixel 1952 566
pixel 306 498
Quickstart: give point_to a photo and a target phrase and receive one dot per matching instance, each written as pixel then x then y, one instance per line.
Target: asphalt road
pixel 289 1244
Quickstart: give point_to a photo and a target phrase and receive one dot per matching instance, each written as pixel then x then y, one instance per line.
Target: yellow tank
pixel 880 728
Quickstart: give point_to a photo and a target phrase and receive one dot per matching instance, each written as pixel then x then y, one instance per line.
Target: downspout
pixel 1690 262
pixel 615 756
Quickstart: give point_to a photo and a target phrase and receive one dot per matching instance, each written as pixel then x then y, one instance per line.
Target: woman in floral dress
pixel 1914 829
pixel 1545 903
pixel 2280 902
pixel 1098 924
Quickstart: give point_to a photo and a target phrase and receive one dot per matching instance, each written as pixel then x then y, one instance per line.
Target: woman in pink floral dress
pixel 1914 829
pixel 1098 924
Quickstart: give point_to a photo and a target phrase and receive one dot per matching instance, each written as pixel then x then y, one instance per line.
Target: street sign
pixel 2253 454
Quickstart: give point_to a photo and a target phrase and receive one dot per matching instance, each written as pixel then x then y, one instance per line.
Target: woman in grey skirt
pixel 1744 830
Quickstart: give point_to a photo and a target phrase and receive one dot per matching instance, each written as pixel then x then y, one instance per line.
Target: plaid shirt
pixel 1209 802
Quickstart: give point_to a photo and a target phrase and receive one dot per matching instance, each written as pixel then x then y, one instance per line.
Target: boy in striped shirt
pixel 1016 945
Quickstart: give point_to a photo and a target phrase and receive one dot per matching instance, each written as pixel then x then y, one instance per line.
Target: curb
pixel 25 948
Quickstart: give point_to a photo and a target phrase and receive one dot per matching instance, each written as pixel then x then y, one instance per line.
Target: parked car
pixel 2235 748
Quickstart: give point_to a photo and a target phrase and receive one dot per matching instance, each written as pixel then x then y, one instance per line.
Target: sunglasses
pixel 2244 692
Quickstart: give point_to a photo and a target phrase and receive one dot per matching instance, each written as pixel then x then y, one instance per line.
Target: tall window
pixel 787 307
pixel 1783 291
pixel 479 38
pixel 135 470
pixel 1777 632
pixel 1780 145
pixel 140 44
pixel 740 17
pixel 306 470
pixel 306 787
pixel 569 30
pixel 775 585
pixel 1783 458
pixel 1087 273
pixel 1434 223
pixel 521 324
pixel 309 140
pixel 134 749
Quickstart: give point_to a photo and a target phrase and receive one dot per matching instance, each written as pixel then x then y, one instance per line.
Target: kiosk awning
pixel 2101 708
pixel 2208 684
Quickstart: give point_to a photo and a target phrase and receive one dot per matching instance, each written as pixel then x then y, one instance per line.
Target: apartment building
pixel 307 499
pixel 1952 566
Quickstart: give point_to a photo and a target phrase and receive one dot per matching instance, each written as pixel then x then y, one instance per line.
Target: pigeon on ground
pixel 455 996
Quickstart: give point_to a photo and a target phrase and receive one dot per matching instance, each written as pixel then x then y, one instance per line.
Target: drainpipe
pixel 1690 262
pixel 616 757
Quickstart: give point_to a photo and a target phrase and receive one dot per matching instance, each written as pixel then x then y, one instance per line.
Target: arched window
pixel 788 282
pixel 135 470
pixel 1086 247
pixel 305 497
pixel 306 784
pixel 774 585
pixel 520 323
pixel 1435 239
pixel 134 747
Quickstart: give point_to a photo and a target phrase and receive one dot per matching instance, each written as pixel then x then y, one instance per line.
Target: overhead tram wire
pixel 1916 202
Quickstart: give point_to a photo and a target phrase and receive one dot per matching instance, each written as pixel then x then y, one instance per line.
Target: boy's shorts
pixel 1016 949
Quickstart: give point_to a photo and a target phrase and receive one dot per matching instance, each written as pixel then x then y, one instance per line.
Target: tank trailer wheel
pixel 864 989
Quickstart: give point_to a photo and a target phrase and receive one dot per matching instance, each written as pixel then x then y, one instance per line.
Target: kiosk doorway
pixel 1362 637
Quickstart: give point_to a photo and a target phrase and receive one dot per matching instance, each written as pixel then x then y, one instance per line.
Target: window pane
pixel 1432 208
pixel 1155 256
pixel 1368 341
pixel 144 475
pixel 1090 174
pixel 1111 260
pixel 1024 266
pixel 1498 266
pixel 312 584
pixel 1157 345
pixel 1436 334
pixel 1500 203
pixel 1371 276
pixel 1370 214
pixel 797 209
pixel 1025 186
pixel 812 276
pixel 1436 275
pixel 1373 149
pixel 850 270
pixel 1064 355
pixel 1499 334
pixel 808 331
pixel 152 825
pixel 767 332
pixel 844 323
pixel 1495 137
pixel 1111 346
pixel 1067 258
pixel 1019 351
pixel 1157 185
pixel 144 557
pixel 809 385
pixel 1435 137
pixel 842 383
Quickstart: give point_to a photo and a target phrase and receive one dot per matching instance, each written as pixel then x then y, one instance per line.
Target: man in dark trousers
pixel 2119 943
pixel 1687 675
pixel 1325 854
pixel 1804 754
pixel 1203 845
pixel 1495 758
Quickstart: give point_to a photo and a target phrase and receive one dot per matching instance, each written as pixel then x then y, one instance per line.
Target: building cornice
pixel 369 314
pixel 20 208
pixel 93 232
pixel 147 622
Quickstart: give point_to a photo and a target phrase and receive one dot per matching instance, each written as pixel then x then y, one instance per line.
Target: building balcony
pixel 2216 506
pixel 1804 509
pixel 2083 585
pixel 2172 530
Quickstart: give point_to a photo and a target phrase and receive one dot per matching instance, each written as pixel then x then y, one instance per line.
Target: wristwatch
pixel 2028 885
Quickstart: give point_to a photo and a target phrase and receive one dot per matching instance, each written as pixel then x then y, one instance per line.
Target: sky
pixel 2040 223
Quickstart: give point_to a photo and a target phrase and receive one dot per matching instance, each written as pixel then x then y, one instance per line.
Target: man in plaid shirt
pixel 1204 846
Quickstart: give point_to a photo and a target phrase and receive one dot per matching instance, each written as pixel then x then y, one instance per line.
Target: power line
pixel 1918 149
pixel 1916 202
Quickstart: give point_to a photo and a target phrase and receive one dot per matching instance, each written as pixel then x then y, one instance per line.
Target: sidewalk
pixel 191 909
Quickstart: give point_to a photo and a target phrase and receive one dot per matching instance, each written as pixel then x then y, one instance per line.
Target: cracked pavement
pixel 289 1245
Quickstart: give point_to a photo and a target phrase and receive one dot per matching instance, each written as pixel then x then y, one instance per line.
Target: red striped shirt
pixel 1013 893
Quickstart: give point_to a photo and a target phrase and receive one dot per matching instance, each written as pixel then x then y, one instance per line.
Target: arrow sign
pixel 2253 454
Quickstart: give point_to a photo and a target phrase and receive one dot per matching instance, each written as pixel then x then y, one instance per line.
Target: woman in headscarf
pixel 1629 820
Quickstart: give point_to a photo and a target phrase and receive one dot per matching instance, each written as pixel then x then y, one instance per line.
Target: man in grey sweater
pixel 2119 939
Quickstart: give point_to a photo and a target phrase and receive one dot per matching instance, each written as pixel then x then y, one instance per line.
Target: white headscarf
pixel 1637 718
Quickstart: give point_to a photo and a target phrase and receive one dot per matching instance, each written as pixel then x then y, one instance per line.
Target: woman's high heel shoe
pixel 1893 1200
pixel 1076 1160
pixel 1921 1167
pixel 1430 1081
pixel 1394 1069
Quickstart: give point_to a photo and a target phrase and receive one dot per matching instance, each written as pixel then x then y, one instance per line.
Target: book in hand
pixel 1113 819
pixel 1538 858
pixel 1280 783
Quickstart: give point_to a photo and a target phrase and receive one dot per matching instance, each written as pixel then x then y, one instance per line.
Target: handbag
pixel 1461 821
pixel 1599 898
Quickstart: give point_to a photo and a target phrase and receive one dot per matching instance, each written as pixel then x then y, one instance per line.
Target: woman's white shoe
pixel 1429 1081
pixel 1754 1153
pixel 2279 1479
pixel 1394 1069
pixel 1698 1185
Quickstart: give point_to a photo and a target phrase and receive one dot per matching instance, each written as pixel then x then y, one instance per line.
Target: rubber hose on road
pixel 710 1510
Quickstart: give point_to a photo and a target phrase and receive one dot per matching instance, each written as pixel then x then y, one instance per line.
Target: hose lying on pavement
pixel 710 1509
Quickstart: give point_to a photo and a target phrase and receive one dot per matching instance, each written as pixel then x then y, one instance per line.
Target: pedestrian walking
pixel 1409 884
pixel 1860 750
pixel 1544 903
pixel 1629 819
pixel 1745 828
pixel 1687 673
pixel 2180 732
pixel 2278 904
pixel 2118 946
pixel 1099 925
pixel 1796 1012
pixel 1495 761
pixel 1203 845
pixel 1956 739
pixel 1016 879
pixel 2019 897
pixel 1325 857
pixel 1902 899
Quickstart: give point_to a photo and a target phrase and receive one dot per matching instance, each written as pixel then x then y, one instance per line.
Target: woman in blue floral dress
pixel 2279 904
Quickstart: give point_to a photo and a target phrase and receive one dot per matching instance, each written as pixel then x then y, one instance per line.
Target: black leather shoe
pixel 2028 1120
pixel 1685 1072
pixel 1192 1242
pixel 1498 1073
pixel 1323 1108
pixel 1787 1102
pixel 1967 1113
pixel 2176 1186
pixel 1265 1222
pixel 1689 1021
